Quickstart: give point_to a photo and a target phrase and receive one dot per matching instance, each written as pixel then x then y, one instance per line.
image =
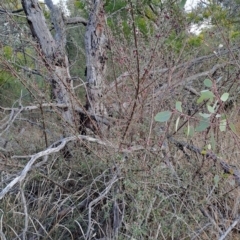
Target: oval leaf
pixel 182 4
pixel 207 82
pixel 210 109
pixel 203 125
pixel 224 97
pixel 205 115
pixel 223 125
pixel 163 116
pixel 179 106
pixel 205 95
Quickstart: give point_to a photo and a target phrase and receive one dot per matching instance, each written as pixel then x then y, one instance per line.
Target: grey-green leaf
pixel 216 180
pixel 223 125
pixel 205 94
pixel 203 125
pixel 182 4
pixel 179 106
pixel 163 116
pixel 208 83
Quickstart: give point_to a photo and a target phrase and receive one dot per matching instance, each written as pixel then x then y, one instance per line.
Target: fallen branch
pixel 56 147
pixel 230 229
pixel 226 167
pixel 95 117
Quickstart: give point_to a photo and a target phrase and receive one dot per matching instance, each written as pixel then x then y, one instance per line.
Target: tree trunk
pixel 96 45
pixel 52 51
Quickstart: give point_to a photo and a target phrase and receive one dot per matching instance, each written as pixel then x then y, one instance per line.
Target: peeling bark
pixel 53 54
pixel 96 45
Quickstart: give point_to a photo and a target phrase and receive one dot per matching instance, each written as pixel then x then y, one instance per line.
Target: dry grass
pixel 112 191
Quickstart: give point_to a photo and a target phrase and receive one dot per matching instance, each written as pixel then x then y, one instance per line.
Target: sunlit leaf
pixel 205 115
pixel 163 116
pixel 224 97
pixel 179 106
pixel 205 95
pixel 211 109
pixel 176 125
pixel 223 125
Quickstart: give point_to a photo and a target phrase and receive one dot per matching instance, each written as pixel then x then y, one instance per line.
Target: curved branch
pixel 56 147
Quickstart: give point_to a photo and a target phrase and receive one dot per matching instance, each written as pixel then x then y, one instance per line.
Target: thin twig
pixel 230 229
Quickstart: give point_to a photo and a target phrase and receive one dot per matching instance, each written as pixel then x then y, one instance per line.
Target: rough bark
pixel 96 46
pixel 52 52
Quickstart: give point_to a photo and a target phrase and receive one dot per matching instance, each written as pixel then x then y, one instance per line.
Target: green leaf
pixel 211 109
pixel 224 97
pixel 207 82
pixel 177 122
pixel 223 125
pixel 189 131
pixel 163 116
pixel 233 128
pixel 182 4
pixel 179 106
pixel 216 179
pixel 203 125
pixel 205 115
pixel 205 95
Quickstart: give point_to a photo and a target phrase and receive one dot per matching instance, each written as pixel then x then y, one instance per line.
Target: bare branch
pixel 95 117
pixel 10 11
pixel 56 147
pixel 230 229
pixel 95 201
pixel 225 166
pixel 76 20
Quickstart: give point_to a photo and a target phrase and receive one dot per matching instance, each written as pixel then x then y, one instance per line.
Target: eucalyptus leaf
pixel 224 97
pixel 205 115
pixel 176 125
pixel 207 82
pixel 182 4
pixel 179 106
pixel 163 116
pixel 210 109
pixel 205 95
pixel 203 125
pixel 223 125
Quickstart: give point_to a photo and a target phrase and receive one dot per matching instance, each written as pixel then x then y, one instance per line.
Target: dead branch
pixel 235 222
pixel 95 201
pixel 76 20
pixel 56 147
pixel 209 155
pixel 185 65
pixel 78 109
